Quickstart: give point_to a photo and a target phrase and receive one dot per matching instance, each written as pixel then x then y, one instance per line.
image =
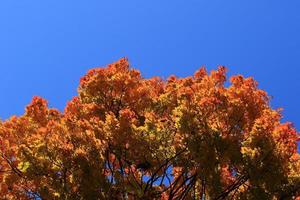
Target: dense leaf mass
pixel 127 137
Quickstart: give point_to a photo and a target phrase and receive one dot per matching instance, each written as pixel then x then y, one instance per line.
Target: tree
pixel 127 137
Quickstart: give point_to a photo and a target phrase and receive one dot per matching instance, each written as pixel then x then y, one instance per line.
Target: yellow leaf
pixel 23 166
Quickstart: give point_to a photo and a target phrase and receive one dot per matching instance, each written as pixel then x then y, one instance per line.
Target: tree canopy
pixel 128 137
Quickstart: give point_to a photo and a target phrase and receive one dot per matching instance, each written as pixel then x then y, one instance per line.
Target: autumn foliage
pixel 127 137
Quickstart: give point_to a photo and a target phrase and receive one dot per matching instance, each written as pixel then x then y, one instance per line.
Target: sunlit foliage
pixel 127 137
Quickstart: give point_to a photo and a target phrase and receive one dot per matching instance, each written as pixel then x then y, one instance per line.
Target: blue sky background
pixel 46 46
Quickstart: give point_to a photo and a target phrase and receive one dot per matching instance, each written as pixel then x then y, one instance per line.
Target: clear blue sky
pixel 47 45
